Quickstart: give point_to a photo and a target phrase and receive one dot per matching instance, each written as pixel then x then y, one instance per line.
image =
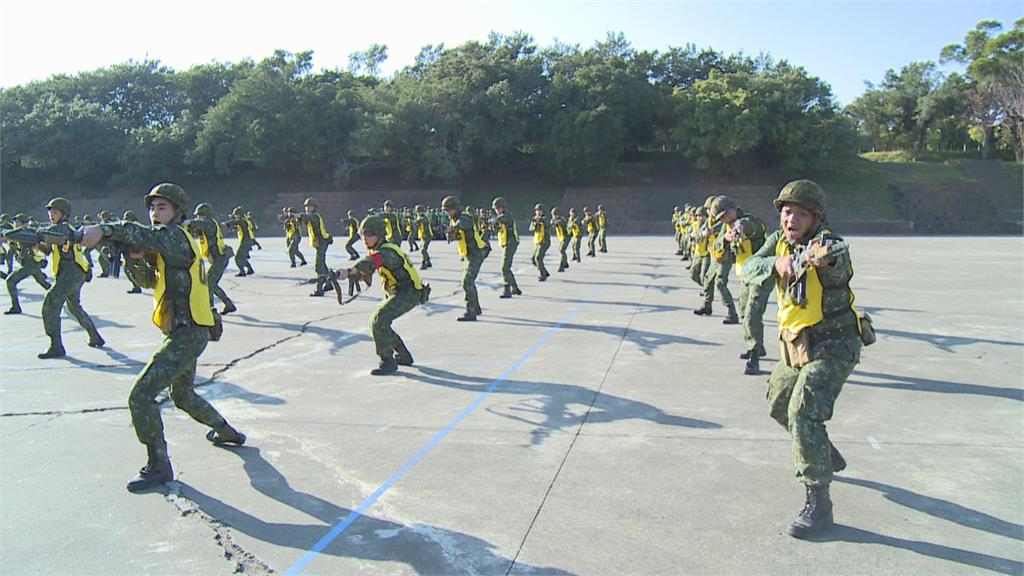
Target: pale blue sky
pixel 842 42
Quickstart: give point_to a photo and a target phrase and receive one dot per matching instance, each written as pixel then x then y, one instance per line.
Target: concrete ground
pixel 592 426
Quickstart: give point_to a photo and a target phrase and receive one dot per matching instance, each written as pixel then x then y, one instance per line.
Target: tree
pixel 368 61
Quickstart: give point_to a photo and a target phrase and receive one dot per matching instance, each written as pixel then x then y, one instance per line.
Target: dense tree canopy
pixel 483 106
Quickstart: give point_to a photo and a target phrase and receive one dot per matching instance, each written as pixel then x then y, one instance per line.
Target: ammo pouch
pixel 795 347
pixel 867 329
pixel 424 293
pixel 217 330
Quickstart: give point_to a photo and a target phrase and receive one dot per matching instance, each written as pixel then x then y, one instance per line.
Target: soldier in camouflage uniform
pixel 105 252
pixel 70 271
pixel 211 243
pixel 589 224
pixel 701 259
pixel 819 340
pixel 293 237
pixel 320 239
pixel 558 225
pixel 745 234
pixel 472 249
pixel 602 228
pixel 129 216
pixel 29 265
pixel 255 227
pixel 576 231
pixel 541 241
pixel 508 238
pixel 351 225
pixel 404 291
pixel 422 229
pixel 245 241
pixel 171 264
pixel 721 263
pixel 392 226
pixel 6 252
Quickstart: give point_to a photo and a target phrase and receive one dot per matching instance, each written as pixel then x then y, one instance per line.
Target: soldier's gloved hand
pixel 91 235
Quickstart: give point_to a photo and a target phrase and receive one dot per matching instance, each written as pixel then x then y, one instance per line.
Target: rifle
pixel 823 249
pixel 355 290
pixel 29 236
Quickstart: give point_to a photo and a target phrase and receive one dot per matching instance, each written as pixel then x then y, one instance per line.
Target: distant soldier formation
pixel 182 257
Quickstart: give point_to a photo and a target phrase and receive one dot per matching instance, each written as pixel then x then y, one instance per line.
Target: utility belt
pixel 795 348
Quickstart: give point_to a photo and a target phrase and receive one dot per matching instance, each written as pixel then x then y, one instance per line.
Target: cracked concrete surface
pixel 628 443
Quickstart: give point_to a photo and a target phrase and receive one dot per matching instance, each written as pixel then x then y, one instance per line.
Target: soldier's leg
pixel 469 274
pixel 74 303
pixel 590 243
pixel 810 406
pixel 563 262
pixel 542 251
pixel 293 249
pixel 213 278
pixel 248 252
pixel 697 272
pixel 12 288
pixel 423 252
pixel 602 239
pixel 350 249
pixel 754 316
pixel 115 262
pixel 163 368
pixel 241 259
pixel 385 340
pixel 710 276
pixel 182 385
pixel 320 261
pixel 53 303
pixel 104 264
pixel 780 391
pixel 722 284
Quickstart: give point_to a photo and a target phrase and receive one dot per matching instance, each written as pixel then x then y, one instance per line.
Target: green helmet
pixel 237 212
pixel 351 214
pixel 4 218
pixel 449 202
pixel 61 204
pixel 129 216
pixel 170 192
pixel 721 205
pixel 687 206
pixel 804 193
pixel 388 204
pixel 310 202
pixel 538 207
pixel 419 208
pixel 498 202
pixel 555 211
pixel 709 201
pixel 21 217
pixel 204 209
pixel 372 226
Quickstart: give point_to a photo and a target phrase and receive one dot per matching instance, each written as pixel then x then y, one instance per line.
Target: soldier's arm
pixel 761 265
pixel 169 241
pixel 839 271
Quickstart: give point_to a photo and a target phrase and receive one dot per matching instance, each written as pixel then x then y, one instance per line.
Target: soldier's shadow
pixel 548 406
pixel 339 339
pixel 424 548
pixel 944 342
pixel 940 386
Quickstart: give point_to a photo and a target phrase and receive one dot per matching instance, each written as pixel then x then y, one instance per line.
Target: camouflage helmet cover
pixel 21 217
pixel 805 193
pixel 204 209
pixel 310 202
pixel 498 202
pixel 61 204
pixel 721 205
pixel 449 202
pixel 129 215
pixel 170 192
pixel 372 226
pixel 538 206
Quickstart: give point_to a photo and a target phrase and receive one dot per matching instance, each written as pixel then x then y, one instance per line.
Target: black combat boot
pixel 816 515
pixel 54 351
pixel 542 278
pixel 402 355
pixel 303 263
pixel 761 352
pixel 96 341
pixel 704 310
pixel 838 462
pixel 515 290
pixel 241 274
pixel 14 310
pixel 468 316
pixel 157 470
pixel 135 290
pixel 753 366
pixel 319 288
pixel 732 318
pixel 293 265
pixel 387 366
pixel 225 434
pixel 507 293
pixel 249 269
pixel 228 308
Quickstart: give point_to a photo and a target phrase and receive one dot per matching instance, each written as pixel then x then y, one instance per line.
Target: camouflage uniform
pixel 802 389
pixel 602 228
pixel 352 226
pixel 421 228
pixel 209 231
pixel 463 230
pixel 721 261
pixel 66 289
pixel 392 226
pixel 576 231
pixel 320 239
pixel 590 225
pixel 541 241
pixel 129 216
pixel 245 241
pixel 753 295
pixel 29 265
pixel 558 225
pixel 293 238
pixel 508 238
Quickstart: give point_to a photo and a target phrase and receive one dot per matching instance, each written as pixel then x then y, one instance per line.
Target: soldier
pixel 745 235
pixel 211 243
pixel 508 238
pixel 721 263
pixel 129 216
pixel 171 264
pixel 409 225
pixel 424 231
pixel 819 337
pixel 29 265
pixel 541 241
pixel 677 220
pixel 602 228
pixel 577 234
pixel 319 239
pixel 245 239
pixel 391 224
pixel 699 246
pixel 473 250
pixel 107 252
pixel 590 225
pixel 404 291
pixel 558 225
pixel 685 216
pixel 254 227
pixel 350 224
pixel 70 271
pixel 292 236
pixel 6 252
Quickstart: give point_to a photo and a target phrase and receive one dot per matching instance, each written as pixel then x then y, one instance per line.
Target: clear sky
pixel 845 43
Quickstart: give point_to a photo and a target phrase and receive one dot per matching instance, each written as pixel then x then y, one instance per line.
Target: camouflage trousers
pixel 753 302
pixel 128 263
pixel 591 238
pixel 350 246
pixel 242 255
pixel 469 274
pixel 320 260
pixel 172 366
pixel 213 276
pixel 563 245
pixel 385 339
pixel 425 258
pixel 539 251
pixel 19 275
pixel 66 289
pixel 698 269
pixel 507 252
pixel 801 400
pixel 602 239
pixel 718 277
pixel 293 250
pixel 576 241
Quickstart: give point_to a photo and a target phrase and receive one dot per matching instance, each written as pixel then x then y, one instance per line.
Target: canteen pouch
pixel 217 330
pixel 795 347
pixel 866 328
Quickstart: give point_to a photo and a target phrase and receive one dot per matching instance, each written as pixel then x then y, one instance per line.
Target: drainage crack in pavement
pixel 245 562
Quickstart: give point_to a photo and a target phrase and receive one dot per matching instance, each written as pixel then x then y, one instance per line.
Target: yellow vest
pixel 80 258
pixel 795 318
pixel 503 234
pixel 387 279
pixel 291 229
pixel 560 232
pixel 463 247
pixel 198 296
pixel 388 232
pixel 205 244
pixel 539 232
pixel 746 251
pixel 313 241
pixel 602 220
pixel 574 227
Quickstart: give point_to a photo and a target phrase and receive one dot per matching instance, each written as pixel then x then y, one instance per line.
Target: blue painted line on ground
pixel 372 499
